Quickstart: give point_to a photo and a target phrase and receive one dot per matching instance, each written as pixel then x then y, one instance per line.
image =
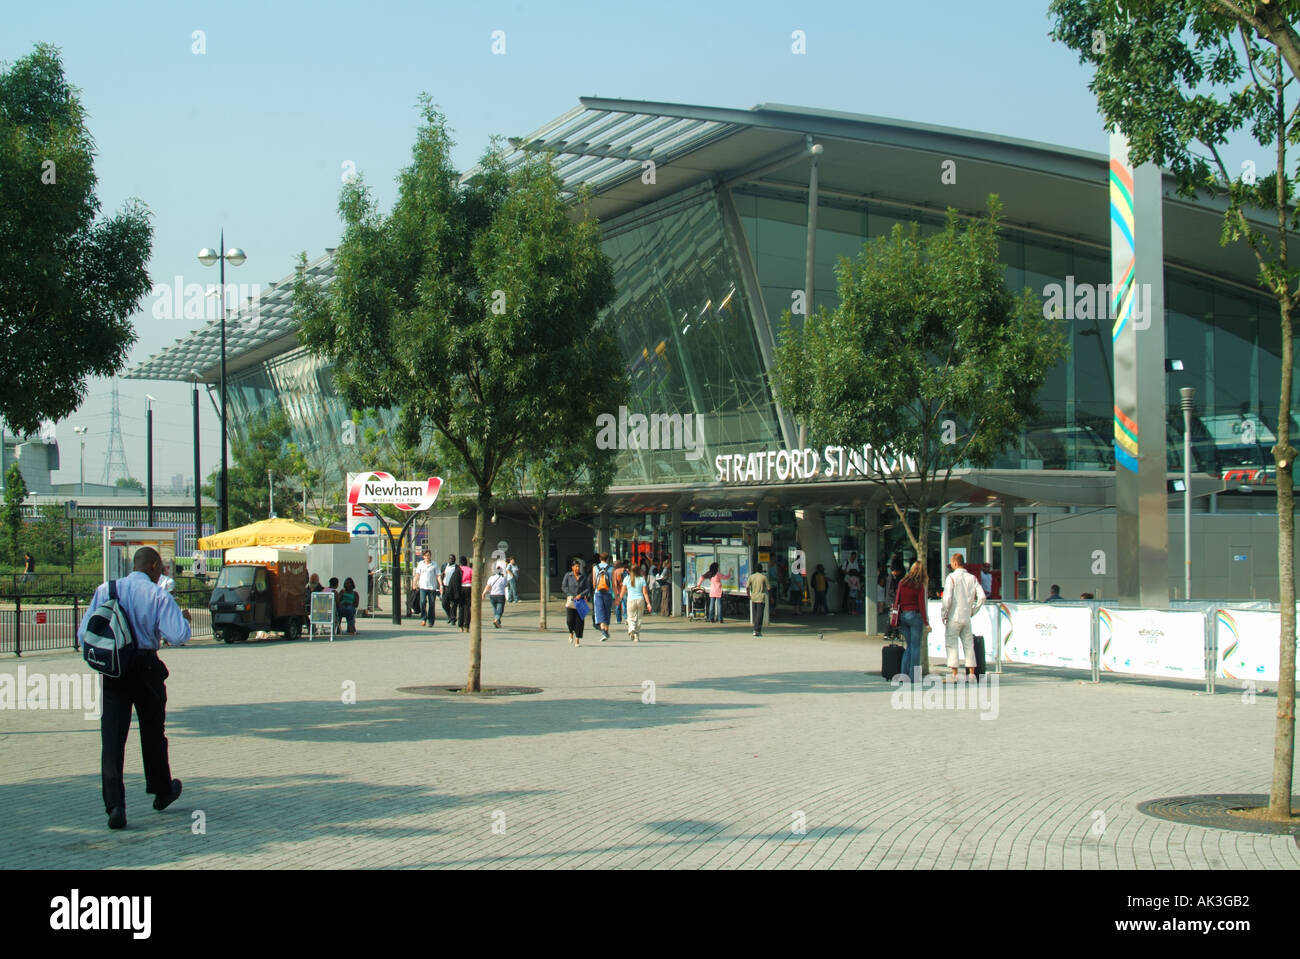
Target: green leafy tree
pixel 553 483
pixel 929 358
pixel 129 482
pixel 66 278
pixel 1183 80
pixel 265 445
pixel 471 307
pixel 15 495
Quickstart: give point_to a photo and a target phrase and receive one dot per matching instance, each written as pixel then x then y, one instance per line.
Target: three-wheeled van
pixel 259 588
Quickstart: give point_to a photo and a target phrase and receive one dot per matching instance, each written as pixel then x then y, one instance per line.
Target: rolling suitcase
pixel 980 666
pixel 891 661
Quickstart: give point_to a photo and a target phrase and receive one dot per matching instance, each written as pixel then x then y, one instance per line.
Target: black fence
pixel 50 620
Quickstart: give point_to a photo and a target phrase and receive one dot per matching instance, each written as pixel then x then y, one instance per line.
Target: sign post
pixel 410 496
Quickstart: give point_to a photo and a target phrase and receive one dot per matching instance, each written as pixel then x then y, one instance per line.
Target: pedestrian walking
pixel 756 586
pixel 602 591
pixel 620 596
pixel 496 591
pixel 154 617
pixel 576 587
pixel 913 619
pixel 451 589
pixel 29 567
pixel 636 593
pixel 512 580
pixel 962 598
pixel 426 580
pixel 466 594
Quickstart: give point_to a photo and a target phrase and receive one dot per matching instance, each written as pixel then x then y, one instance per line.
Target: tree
pixel 928 359
pixel 129 482
pixel 15 494
pixel 552 483
pixel 1181 79
pixel 472 307
pixel 68 283
pixel 266 445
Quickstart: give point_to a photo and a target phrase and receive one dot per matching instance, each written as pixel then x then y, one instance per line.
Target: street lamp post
pixel 81 431
pixel 207 257
pixel 198 495
pixel 148 417
pixel 270 485
pixel 1188 397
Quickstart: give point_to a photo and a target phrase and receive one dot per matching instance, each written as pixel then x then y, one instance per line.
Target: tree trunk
pixel 1279 799
pixel 923 529
pixel 474 683
pixel 542 584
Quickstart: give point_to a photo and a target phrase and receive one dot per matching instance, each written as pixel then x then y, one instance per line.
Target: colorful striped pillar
pixel 1136 299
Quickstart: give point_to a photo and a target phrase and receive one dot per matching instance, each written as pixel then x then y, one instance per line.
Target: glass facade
pixel 690 337
pixel 687 330
pixel 1213 328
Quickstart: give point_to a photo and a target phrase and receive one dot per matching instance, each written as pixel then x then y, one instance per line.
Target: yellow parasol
pixel 274 532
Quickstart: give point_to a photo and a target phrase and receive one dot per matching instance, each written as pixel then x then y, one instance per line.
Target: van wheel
pixel 233 634
pixel 294 629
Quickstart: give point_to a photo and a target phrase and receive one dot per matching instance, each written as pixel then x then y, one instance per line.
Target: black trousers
pixel 756 616
pixel 144 687
pixel 463 607
pixel 449 603
pixel 575 622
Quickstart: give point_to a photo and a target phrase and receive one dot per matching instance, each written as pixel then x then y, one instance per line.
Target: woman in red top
pixel 912 618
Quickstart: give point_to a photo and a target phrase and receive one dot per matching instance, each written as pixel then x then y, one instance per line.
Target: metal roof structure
pixel 260 327
pixel 608 146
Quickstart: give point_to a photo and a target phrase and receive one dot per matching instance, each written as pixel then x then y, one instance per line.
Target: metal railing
pixel 50 621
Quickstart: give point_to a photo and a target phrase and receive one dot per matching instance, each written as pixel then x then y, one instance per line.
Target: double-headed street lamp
pixel 207 257
pixel 148 429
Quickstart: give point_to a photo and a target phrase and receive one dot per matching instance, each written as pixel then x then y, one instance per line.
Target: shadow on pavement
pixel 62 823
pixel 431 718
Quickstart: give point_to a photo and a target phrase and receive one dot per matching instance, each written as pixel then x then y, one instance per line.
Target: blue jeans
pixel 428 609
pixel 513 587
pixel 348 613
pixel 715 609
pixel 620 609
pixel 913 629
pixel 600 607
pixel 498 605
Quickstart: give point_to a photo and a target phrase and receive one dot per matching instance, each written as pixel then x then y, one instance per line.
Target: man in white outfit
pixel 962 597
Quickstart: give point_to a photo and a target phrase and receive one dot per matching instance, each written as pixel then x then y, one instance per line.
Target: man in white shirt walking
pixel 426 579
pixel 962 598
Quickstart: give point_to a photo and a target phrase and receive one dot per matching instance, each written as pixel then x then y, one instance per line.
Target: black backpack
pixel 109 643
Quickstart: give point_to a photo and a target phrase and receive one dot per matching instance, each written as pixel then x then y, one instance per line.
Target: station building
pixel 706 215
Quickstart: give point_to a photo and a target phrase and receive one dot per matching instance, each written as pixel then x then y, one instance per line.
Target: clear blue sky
pixel 252 134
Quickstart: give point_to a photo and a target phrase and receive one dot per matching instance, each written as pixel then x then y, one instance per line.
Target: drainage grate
pixel 1214 812
pixel 487 692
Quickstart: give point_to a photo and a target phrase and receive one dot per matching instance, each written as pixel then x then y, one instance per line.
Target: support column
pixel 1138 336
pixel 870 554
pixel 675 551
pixel 943 544
pixel 602 533
pixel 1007 522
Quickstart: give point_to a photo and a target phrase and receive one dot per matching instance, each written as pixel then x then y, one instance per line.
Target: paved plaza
pixel 781 752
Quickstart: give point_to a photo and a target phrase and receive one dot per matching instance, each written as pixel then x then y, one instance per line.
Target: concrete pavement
pixel 778 752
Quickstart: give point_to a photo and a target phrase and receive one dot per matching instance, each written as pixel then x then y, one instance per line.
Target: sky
pixel 246 116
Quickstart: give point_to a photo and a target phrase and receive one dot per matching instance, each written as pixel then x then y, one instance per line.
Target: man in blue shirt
pixel 154 618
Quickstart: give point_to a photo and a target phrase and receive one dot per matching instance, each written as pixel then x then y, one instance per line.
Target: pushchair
pixel 699 603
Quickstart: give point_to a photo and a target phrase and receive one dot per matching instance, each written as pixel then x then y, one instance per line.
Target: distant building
pixel 37 457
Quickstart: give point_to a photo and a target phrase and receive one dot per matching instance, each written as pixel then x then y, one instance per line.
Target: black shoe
pixel 117 818
pixel 162 802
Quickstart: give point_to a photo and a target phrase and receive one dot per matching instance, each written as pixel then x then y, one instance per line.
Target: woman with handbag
pixel 576 590
pixel 908 613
